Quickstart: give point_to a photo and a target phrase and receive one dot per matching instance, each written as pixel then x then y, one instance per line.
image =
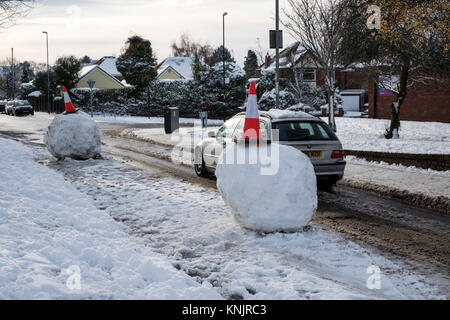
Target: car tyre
pixel 200 169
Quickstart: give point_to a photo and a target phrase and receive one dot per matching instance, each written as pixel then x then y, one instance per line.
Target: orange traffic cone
pixel 68 102
pixel 252 131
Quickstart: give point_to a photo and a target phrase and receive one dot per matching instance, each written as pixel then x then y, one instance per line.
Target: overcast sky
pixel 100 27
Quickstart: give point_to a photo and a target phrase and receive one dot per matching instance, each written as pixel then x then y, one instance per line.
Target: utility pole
pixel 277 53
pixel 13 75
pixel 48 76
pixel 223 53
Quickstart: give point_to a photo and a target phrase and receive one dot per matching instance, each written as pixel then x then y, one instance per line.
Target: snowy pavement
pixel 56 245
pixel 191 226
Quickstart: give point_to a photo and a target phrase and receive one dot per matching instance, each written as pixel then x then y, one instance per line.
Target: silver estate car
pixel 303 131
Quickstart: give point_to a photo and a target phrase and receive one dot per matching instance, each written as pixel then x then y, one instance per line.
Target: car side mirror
pixel 211 134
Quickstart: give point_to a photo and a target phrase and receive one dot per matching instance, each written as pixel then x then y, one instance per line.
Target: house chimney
pixel 268 61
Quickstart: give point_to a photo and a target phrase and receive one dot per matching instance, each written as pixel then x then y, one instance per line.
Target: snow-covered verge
pixel 415 137
pixel 397 167
pixel 134 119
pixel 56 245
pixel 365 135
pixel 111 118
pixel 424 188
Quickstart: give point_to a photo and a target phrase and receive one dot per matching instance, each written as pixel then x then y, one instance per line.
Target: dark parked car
pixel 22 107
pixel 3 106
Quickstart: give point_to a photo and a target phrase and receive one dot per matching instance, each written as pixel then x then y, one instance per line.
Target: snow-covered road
pixel 185 219
pixel 191 225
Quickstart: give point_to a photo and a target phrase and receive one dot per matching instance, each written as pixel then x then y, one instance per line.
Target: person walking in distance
pixel 204 113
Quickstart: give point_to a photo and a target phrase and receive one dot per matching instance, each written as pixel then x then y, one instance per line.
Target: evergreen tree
pixel 40 82
pixel 85 60
pixel 27 72
pixel 197 67
pixel 66 71
pixel 137 63
pixel 218 56
pixel 251 64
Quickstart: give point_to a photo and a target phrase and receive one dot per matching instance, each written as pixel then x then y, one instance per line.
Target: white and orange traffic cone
pixel 69 106
pixel 252 132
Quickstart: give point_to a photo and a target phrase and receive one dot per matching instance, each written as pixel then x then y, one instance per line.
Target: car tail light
pixel 337 154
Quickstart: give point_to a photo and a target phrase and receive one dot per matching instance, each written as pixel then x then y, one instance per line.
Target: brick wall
pixel 424 102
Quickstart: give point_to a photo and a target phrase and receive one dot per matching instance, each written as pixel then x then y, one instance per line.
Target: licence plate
pixel 313 154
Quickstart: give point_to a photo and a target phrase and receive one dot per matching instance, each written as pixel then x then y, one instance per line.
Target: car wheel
pixel 200 169
pixel 327 185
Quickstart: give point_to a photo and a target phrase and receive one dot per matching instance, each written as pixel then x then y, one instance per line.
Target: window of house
pixel 309 75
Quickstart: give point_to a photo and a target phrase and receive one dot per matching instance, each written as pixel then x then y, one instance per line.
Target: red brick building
pixel 424 102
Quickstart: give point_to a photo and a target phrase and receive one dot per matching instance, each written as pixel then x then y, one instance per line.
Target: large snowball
pixel 268 196
pixel 73 135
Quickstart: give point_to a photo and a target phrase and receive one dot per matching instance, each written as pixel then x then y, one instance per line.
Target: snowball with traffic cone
pixel 73 134
pixel 268 187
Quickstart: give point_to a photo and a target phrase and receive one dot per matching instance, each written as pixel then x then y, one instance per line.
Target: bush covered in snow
pixel 281 196
pixel 268 99
pixel 291 93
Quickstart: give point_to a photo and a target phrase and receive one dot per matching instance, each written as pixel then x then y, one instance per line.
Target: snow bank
pixel 283 200
pixel 73 135
pixel 57 245
pixel 415 136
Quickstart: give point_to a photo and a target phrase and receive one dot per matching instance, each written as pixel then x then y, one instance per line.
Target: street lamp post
pixel 48 75
pixel 223 52
pixel 13 75
pixel 277 50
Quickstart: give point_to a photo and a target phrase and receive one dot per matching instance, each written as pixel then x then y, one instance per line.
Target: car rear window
pixel 304 131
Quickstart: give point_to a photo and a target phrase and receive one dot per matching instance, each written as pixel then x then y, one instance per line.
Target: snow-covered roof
pixel 293 52
pixel 352 92
pixel 35 94
pixel 85 70
pixel 108 64
pixel 181 65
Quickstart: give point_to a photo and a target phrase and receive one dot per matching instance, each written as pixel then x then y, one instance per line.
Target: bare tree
pixel 12 10
pixel 317 24
pixel 188 48
pixel 260 52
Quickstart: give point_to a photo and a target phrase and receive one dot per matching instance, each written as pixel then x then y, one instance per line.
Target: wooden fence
pixel 40 104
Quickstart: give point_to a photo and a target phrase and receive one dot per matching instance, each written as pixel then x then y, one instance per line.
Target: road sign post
pixel 91 84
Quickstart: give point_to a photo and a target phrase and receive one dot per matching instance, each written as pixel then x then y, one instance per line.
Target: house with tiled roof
pixel 105 74
pixel 175 68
